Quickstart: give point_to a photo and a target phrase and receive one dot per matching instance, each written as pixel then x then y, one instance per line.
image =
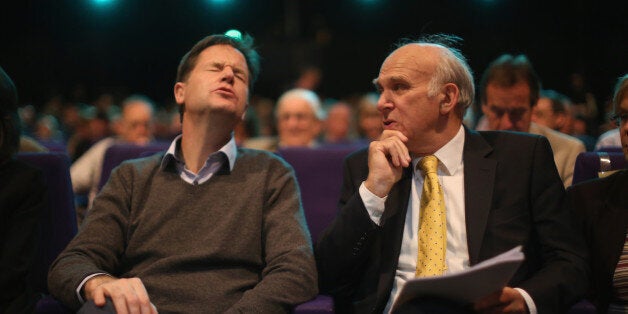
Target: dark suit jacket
pixel 513 196
pixel 22 200
pixel 602 208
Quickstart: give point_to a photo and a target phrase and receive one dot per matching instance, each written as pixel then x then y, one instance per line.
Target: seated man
pixel 134 127
pixel 602 208
pixel 431 197
pixel 509 89
pixel 205 227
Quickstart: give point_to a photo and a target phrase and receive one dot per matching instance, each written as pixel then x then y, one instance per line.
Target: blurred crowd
pixel 299 117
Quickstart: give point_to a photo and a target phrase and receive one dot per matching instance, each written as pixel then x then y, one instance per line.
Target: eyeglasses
pixel 619 118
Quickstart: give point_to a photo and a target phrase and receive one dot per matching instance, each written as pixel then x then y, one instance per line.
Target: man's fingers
pixel 488 302
pixel 145 307
pixel 129 296
pixel 99 297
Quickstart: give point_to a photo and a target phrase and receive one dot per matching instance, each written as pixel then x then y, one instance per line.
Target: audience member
pixel 91 127
pixel 549 110
pixel 501 190
pixel 602 208
pixel 205 227
pixel 555 111
pixel 369 120
pixel 585 104
pixel 338 124
pixel 47 130
pixel 134 126
pixel 299 122
pixel 22 201
pixel 247 128
pixel 509 90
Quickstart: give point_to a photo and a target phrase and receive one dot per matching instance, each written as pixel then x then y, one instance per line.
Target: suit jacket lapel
pixel 479 181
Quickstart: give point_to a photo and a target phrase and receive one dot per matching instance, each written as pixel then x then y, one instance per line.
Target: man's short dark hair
pixel 621 90
pixel 244 45
pixel 508 70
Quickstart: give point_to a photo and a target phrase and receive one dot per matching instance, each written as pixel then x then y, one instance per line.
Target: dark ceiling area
pixel 129 46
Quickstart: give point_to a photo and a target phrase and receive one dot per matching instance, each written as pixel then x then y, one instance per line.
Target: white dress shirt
pixel 451 178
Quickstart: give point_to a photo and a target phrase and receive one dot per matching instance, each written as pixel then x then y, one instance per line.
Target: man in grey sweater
pixel 205 227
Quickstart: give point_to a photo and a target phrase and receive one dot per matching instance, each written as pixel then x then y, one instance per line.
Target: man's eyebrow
pixel 375 82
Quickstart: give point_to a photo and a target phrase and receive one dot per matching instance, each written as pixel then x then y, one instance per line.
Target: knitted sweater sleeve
pixel 100 243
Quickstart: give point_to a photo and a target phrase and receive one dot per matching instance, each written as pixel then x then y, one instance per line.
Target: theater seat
pixel 591 165
pixel 118 153
pixel 58 225
pixel 319 173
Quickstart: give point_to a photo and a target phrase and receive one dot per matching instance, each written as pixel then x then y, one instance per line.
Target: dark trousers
pixel 433 305
pixel 90 308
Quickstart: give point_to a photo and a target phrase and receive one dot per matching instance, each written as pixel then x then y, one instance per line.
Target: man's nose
pixel 227 74
pixel 505 122
pixel 383 103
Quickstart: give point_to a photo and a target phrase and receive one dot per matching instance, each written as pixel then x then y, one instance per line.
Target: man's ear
pixel 449 100
pixel 179 92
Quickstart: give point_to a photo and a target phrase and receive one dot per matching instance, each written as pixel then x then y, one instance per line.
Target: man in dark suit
pixel 602 208
pixel 500 190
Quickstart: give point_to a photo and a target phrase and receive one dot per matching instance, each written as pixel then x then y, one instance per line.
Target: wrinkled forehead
pixel 412 59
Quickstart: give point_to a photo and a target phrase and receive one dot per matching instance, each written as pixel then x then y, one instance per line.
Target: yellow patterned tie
pixel 432 224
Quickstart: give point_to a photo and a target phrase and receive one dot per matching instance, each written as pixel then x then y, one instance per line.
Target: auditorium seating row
pixel 319 174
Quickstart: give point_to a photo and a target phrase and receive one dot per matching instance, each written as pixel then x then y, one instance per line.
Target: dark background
pixel 79 49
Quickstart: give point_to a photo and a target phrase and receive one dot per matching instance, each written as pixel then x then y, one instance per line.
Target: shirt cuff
pixel 529 301
pixel 80 286
pixel 374 204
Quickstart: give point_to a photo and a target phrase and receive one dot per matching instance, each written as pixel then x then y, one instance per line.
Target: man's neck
pixel 200 141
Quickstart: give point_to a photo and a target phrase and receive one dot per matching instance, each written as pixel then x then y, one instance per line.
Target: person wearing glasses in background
pixel 601 206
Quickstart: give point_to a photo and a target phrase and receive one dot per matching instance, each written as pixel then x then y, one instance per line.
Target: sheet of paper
pixel 466 286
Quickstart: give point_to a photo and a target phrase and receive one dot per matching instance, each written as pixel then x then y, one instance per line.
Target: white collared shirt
pixel 451 178
pixel 211 166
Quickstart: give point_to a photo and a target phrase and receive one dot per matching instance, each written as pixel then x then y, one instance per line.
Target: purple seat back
pixel 55 146
pixel 319 173
pixel 118 153
pixel 58 225
pixel 610 149
pixel 588 164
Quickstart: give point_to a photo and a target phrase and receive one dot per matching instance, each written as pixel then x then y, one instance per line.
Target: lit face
pixel 338 122
pixel 622 111
pixel 508 108
pixel 217 85
pixel 543 114
pixel 297 124
pixel 136 125
pixel 404 102
pixel 371 123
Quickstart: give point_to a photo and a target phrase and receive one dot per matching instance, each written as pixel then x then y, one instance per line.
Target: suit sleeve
pixel 90 252
pixel 343 250
pixel 562 276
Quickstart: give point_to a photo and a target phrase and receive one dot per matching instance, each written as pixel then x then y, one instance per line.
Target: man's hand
pixel 387 158
pixel 507 300
pixel 128 294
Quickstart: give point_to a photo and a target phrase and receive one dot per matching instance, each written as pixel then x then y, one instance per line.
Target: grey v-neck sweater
pixel 236 243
